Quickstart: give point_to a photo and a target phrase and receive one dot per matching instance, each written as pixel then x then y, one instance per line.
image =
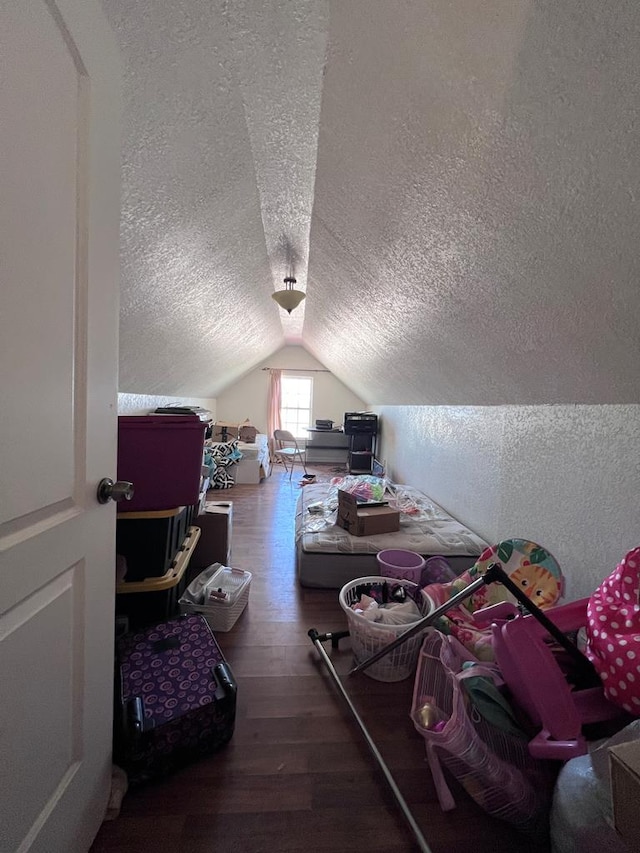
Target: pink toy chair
pixel 538 684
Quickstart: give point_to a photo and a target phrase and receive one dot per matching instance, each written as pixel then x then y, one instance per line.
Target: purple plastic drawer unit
pixel 162 456
pixel 177 698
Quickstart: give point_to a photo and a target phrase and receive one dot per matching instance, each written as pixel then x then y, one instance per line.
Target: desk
pixel 328 446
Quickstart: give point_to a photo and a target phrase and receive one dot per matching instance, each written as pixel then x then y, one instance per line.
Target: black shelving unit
pixel 362 450
pixel 362 430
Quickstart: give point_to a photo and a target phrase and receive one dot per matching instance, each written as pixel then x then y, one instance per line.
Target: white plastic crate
pixel 367 637
pixel 221 613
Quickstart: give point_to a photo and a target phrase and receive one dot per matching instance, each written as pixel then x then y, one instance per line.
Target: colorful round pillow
pixel 528 565
pixel 613 633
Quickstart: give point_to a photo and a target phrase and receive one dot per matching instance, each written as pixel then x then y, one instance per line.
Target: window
pixel 295 404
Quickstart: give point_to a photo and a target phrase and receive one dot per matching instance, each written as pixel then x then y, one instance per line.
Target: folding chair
pixel 286 447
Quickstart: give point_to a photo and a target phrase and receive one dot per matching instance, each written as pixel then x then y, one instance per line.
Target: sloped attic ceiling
pixel 455 185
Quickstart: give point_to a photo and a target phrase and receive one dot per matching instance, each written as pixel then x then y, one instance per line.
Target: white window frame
pixel 296 419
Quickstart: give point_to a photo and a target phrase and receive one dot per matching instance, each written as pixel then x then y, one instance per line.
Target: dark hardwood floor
pixel 297 775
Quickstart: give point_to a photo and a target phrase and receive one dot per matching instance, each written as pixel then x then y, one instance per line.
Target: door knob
pixel 110 491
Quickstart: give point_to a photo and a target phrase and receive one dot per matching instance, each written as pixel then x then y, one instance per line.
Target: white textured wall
pixel 247 398
pixel 462 177
pixel 475 221
pixel 567 477
pixel 144 404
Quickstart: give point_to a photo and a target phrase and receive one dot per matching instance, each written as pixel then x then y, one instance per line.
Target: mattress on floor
pixel 328 556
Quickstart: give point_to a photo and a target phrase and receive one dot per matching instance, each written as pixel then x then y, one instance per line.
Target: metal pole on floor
pixel 317 640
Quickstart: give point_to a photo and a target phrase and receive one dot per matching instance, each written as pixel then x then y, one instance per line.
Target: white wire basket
pixel 368 637
pixel 222 613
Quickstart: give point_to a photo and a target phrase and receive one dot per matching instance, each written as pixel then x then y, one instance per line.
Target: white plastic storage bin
pixel 220 594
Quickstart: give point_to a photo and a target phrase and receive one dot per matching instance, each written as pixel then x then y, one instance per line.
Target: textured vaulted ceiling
pixel 454 184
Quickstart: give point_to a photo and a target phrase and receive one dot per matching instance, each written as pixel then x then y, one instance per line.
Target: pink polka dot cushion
pixel 613 632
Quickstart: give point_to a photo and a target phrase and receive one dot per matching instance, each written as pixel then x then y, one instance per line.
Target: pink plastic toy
pixel 537 682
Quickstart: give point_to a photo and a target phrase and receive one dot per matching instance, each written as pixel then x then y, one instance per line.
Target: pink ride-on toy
pixel 538 684
pixel 529 668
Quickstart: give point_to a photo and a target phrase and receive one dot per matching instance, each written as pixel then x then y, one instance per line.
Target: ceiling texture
pixel 455 185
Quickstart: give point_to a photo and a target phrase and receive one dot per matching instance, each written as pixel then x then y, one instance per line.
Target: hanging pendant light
pixel 289 298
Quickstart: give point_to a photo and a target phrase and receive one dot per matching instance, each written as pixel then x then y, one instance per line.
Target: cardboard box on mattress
pixel 624 762
pixel 363 520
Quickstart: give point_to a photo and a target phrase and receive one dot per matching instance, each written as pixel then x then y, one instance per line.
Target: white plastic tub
pixel 232 585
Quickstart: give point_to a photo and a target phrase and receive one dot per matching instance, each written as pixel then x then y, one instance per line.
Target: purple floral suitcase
pixel 176 697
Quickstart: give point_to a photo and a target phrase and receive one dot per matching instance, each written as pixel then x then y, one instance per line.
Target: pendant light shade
pixel 288 298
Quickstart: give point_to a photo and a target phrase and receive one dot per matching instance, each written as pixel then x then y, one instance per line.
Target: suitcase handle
pixel 226 687
pixel 133 713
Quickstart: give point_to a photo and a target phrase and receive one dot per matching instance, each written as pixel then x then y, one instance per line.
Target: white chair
pixel 286 448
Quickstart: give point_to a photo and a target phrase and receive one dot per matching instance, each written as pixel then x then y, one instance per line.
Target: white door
pixel 59 212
